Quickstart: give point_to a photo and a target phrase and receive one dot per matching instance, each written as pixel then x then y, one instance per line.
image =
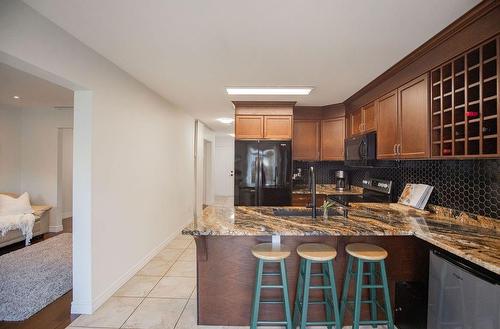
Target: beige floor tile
pixel 156 313
pixel 185 237
pixel 138 286
pixel 111 314
pixel 192 245
pixel 174 287
pixel 156 267
pixel 188 255
pixel 179 243
pixel 169 254
pixel 185 269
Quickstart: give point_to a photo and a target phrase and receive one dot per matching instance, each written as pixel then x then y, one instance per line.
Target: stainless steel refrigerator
pixel 262 173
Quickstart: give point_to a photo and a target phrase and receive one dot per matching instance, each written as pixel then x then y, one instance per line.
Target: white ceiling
pixel 188 51
pixel 33 92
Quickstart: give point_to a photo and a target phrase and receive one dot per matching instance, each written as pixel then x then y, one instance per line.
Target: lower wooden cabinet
pixel 306 141
pixel 332 139
pixel 303 200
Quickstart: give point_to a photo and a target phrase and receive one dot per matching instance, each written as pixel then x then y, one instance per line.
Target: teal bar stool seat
pixel 269 253
pixel 313 253
pixel 372 255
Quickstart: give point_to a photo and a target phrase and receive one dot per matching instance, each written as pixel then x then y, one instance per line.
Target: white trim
pixel 55 228
pixel 67 214
pixel 89 308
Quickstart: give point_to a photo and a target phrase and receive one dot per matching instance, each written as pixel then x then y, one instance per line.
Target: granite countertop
pixel 477 242
pixel 328 189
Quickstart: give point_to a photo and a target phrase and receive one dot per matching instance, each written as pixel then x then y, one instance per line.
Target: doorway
pixel 207 173
pixel 224 169
pixel 65 173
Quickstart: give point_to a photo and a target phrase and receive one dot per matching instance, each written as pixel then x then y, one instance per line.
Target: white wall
pixel 224 164
pixel 204 134
pixel 133 155
pixel 39 157
pixel 10 150
pixel 66 171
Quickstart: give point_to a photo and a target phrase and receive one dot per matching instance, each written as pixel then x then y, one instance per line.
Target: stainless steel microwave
pixel 361 149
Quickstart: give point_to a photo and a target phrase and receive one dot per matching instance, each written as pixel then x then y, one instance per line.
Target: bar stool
pixel 323 254
pixel 267 253
pixel 373 255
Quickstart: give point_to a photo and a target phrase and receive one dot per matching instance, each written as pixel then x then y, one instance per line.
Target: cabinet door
pixel 356 120
pixel 369 117
pixel 414 119
pixel 278 127
pixel 332 139
pixel 249 127
pixel 306 140
pixel 387 129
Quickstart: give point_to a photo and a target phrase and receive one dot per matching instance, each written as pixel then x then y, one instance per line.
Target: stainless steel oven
pixel 361 149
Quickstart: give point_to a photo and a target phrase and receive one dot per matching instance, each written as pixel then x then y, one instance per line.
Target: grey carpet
pixel 34 276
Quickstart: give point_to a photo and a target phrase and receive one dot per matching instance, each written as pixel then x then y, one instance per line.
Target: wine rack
pixel 465 104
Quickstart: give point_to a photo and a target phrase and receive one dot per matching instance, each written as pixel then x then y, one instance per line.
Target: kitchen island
pixel 226 268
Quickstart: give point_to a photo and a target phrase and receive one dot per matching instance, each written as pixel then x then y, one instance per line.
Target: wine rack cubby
pixel 465 104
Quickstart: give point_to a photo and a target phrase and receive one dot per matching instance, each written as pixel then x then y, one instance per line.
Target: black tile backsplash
pixel 466 185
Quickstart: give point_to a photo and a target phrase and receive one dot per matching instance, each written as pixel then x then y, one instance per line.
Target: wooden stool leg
pixel 357 298
pixel 327 293
pixel 334 294
pixel 373 294
pixel 298 294
pixel 345 290
pixel 256 295
pixel 286 301
pixel 305 303
pixel 387 299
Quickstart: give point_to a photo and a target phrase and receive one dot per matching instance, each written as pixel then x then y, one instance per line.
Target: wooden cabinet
pixel 403 122
pixel 356 121
pixel 306 141
pixel 278 127
pixel 332 139
pixel 413 100
pixel 363 119
pixel 249 127
pixel 263 120
pixel 387 129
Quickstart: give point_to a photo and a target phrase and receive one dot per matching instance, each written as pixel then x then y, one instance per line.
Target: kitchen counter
pixel 477 242
pixel 328 189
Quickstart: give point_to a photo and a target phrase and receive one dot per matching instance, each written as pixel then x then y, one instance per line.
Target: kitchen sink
pixel 302 212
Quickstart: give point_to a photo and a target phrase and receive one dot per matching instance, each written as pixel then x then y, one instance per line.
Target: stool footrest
pixel 271 323
pixel 271 273
pixel 271 286
pixel 367 286
pixel 365 322
pixel 271 301
pixel 321 323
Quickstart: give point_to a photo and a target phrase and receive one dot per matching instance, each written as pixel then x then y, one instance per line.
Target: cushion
pixel 15 206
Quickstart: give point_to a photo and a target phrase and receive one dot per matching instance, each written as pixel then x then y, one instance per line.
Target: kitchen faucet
pixel 312 189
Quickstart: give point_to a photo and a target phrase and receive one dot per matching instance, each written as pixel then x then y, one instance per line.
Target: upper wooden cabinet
pixel 388 127
pixel 264 120
pixel 403 122
pixel 413 100
pixel 306 141
pixel 363 119
pixel 332 139
pixel 319 133
pixel 277 127
pixel 249 126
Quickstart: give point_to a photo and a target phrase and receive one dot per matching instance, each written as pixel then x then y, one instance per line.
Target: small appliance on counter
pixel 341 181
pixel 374 190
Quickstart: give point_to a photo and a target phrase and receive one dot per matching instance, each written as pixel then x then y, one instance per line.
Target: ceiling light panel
pixel 268 90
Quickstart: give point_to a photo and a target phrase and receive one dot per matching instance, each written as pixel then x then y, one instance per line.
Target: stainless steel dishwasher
pixel 461 297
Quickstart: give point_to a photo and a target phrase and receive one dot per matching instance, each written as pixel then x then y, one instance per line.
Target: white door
pixel 224 166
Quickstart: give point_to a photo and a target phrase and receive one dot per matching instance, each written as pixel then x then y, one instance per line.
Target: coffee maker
pixel 341 181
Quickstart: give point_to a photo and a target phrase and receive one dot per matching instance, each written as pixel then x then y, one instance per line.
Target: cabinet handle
pixel 399 149
pixel 394 149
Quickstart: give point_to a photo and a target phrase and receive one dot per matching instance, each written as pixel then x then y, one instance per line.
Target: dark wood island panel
pixel 226 273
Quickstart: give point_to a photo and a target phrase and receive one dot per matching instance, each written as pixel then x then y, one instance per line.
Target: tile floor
pixel 161 296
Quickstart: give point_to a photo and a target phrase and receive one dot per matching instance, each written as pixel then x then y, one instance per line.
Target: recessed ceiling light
pixel 16 97
pixel 225 120
pixel 268 90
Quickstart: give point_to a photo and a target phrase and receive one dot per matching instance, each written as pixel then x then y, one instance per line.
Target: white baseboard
pixel 89 308
pixel 55 228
